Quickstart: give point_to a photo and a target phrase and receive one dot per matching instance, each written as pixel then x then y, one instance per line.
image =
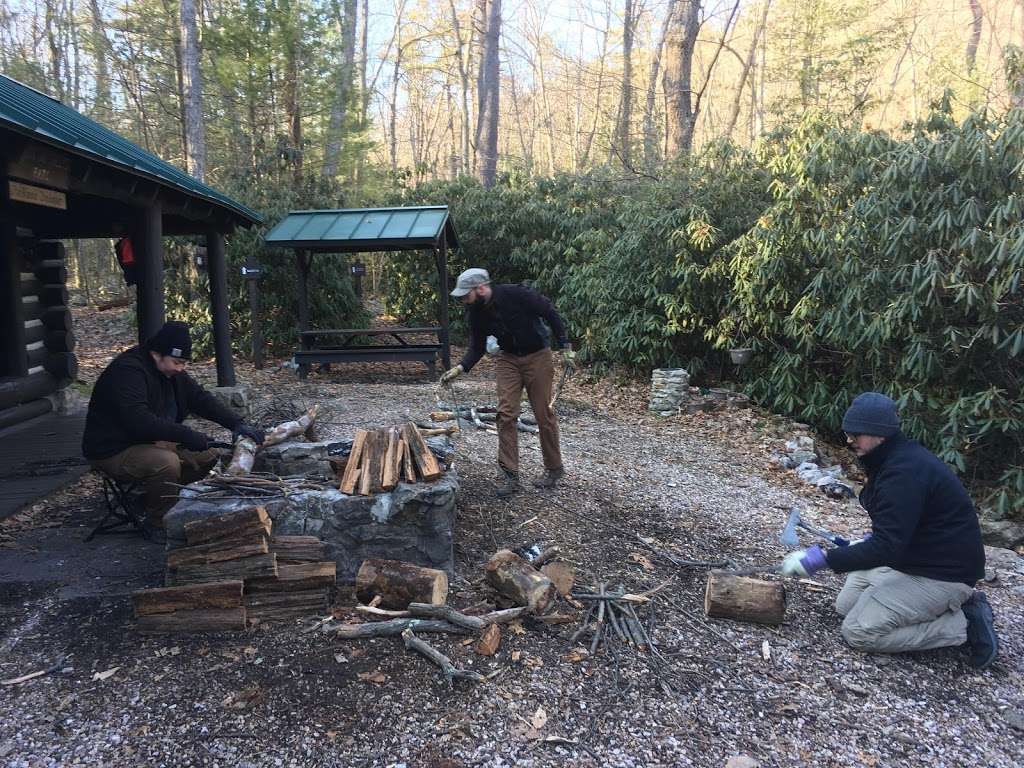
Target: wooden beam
pixel 149 247
pixel 303 260
pixel 217 269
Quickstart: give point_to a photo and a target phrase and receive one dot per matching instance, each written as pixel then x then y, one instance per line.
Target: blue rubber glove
pixel 804 562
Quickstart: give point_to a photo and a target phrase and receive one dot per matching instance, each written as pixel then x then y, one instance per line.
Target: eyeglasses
pixel 852 435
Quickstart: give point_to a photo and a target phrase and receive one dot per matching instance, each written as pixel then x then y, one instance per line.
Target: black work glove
pixel 255 434
pixel 197 442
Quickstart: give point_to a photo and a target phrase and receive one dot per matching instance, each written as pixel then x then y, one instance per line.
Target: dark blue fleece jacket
pixel 922 520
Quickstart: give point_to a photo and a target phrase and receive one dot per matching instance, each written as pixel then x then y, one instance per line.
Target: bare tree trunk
pixel 462 57
pixel 347 22
pixel 626 104
pixel 192 87
pixel 292 105
pixel 488 98
pixel 56 49
pixel 103 103
pixel 599 91
pixel 734 113
pixel 393 145
pixel 650 139
pixel 975 38
pixel 679 42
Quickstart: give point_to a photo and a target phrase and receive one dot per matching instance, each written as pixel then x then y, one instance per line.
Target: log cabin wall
pixel 38 354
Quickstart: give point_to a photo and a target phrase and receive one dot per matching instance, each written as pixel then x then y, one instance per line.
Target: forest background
pixel 835 183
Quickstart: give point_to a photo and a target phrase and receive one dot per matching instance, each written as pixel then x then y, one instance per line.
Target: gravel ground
pixel 697 487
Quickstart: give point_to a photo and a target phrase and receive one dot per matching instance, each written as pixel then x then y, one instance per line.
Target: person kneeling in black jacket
pixel 134 430
pixel 911 581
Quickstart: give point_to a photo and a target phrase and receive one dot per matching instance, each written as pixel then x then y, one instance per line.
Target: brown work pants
pixel 536 374
pixel 159 468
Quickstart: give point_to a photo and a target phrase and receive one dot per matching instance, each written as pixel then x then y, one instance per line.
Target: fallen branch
pixel 33 675
pixel 451 672
pixel 447 613
pixel 395 627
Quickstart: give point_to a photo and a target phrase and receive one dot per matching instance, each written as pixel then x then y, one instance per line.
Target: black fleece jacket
pixel 133 403
pixel 922 520
pixel 513 317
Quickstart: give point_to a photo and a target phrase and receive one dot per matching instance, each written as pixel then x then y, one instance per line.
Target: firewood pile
pixel 381 458
pixel 235 572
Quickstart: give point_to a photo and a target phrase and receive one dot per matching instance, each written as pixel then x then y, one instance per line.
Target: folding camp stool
pixel 125 509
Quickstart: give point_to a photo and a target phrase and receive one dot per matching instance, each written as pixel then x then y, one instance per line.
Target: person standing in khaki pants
pixel 911 580
pixel 513 314
pixel 134 430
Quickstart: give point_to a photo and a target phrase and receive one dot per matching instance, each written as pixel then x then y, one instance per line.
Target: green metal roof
pixel 349 230
pixel 43 118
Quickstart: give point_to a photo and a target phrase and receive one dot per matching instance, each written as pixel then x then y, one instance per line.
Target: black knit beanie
pixel 172 339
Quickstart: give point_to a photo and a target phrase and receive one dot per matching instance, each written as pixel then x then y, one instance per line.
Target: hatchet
pixel 789 538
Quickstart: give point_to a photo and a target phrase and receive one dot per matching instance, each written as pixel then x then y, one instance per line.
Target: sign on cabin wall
pixel 28 193
pixel 40 165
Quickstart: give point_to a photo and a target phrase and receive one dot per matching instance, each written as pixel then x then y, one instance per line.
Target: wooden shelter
pixel 355 230
pixel 64 176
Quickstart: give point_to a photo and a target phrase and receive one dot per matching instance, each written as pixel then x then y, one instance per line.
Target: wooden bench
pixel 313 349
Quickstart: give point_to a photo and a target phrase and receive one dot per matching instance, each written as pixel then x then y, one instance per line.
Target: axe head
pixel 788 536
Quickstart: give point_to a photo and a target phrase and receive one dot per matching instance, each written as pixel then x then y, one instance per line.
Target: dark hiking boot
pixel 509 484
pixel 981 631
pixel 549 479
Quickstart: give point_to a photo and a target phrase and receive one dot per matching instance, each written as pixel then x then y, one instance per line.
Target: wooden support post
pixel 13 361
pixel 217 270
pixel 303 260
pixel 150 290
pixel 442 271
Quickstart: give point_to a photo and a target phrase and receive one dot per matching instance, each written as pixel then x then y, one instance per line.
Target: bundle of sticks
pixel 613 614
pixel 381 458
pixel 483 417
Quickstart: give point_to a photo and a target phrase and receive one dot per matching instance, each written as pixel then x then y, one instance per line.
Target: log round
pixel 53 294
pixel 52 271
pixel 744 599
pixel 519 581
pixel 63 365
pixel 399 583
pixel 56 318
pixel 30 287
pixel 60 341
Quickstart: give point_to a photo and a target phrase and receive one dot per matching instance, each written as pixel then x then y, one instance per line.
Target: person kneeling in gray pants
pixel 911 580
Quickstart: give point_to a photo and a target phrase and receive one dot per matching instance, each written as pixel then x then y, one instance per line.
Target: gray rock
pixel 236 399
pixel 1014 718
pixel 415 522
pixel 742 761
pixel 1002 533
pixel 1003 559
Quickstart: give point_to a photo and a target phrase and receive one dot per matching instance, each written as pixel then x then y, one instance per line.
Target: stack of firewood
pixel 233 571
pixel 382 458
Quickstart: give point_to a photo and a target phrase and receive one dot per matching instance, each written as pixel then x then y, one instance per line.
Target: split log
pixel 348 480
pixel 239 525
pixel 399 583
pixel 426 462
pixel 515 578
pixel 283 606
pixel 395 627
pixel 450 670
pixel 219 620
pixel 222 594
pixel 407 462
pixel 439 431
pixel 243 459
pixel 489 641
pixel 562 576
pixel 300 577
pixel 257 567
pixel 297 549
pixel 744 599
pixel 217 552
pixel 389 470
pixel 289 429
pixel 373 456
